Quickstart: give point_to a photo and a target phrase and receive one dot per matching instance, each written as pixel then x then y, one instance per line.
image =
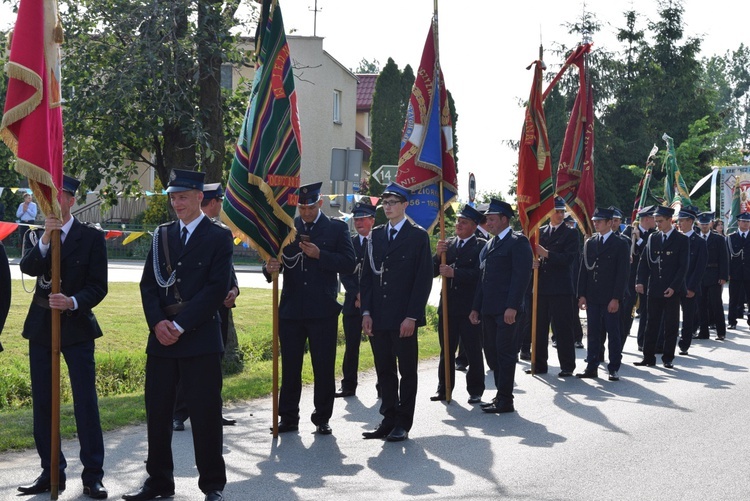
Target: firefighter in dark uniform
pixel 462 273
pixel 364 219
pixel 601 287
pixel 738 244
pixel 506 264
pixel 694 278
pixel 557 251
pixel 638 235
pixel 395 287
pixel 661 275
pixel 184 283
pixel 309 310
pixel 716 275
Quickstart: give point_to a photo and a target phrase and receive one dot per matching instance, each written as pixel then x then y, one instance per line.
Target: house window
pixel 337 106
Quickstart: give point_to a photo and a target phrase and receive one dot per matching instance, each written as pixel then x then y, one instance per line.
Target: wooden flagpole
pixel 534 299
pixel 275 354
pixel 55 389
pixel 443 257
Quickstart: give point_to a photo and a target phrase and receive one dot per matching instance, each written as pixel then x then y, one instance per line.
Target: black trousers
pixel 201 378
pixel 461 329
pixel 626 315
pixel 79 358
pixel 180 407
pixel 396 356
pixel 712 310
pixel 353 338
pixel 555 310
pixel 667 309
pixel 321 334
pixel 689 305
pixel 739 294
pixel 506 348
pixel 643 311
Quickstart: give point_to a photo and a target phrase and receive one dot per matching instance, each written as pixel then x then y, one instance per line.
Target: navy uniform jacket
pixel 506 272
pixel 696 263
pixel 466 274
pixel 636 255
pixel 608 276
pixel 672 266
pixel 554 270
pixel 717 261
pixel 311 286
pixel 404 287
pixel 350 281
pixel 83 272
pixel 203 275
pixel 739 254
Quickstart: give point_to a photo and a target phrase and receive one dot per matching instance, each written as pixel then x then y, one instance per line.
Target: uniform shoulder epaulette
pixel 380 227
pixel 93 226
pixel 167 223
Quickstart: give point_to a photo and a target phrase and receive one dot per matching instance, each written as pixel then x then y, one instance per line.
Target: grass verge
pixel 120 356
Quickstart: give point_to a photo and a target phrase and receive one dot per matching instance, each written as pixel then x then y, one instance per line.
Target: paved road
pixel 656 434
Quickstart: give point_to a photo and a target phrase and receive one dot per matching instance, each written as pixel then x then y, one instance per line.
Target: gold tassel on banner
pixel 58 32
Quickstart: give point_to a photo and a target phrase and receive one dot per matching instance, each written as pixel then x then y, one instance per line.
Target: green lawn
pixel 121 358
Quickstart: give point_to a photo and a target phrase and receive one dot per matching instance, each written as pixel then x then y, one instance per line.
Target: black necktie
pixel 460 243
pixel 308 227
pixel 663 238
pixel 392 235
pixel 184 236
pixel 742 236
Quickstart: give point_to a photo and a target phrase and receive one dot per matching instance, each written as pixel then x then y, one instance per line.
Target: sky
pixel 485 47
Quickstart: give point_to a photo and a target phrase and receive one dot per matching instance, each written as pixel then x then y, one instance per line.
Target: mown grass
pixel 120 356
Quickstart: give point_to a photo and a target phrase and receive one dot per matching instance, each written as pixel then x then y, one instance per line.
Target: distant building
pixel 327 101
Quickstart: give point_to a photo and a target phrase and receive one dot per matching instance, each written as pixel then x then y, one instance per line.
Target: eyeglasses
pixel 391 203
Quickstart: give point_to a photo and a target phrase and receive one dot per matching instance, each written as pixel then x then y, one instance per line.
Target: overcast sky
pixel 485 46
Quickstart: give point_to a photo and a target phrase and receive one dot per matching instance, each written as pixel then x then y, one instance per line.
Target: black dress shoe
pixel 178 425
pixel 732 326
pixel 489 404
pixel 475 399
pixel 698 336
pixel 525 355
pixel 668 365
pixel 614 376
pixel 683 352
pixel 41 484
pixel 342 393
pixel 720 338
pixel 579 345
pixel 214 496
pixel 588 375
pixel 324 429
pixel 643 363
pixel 228 422
pixel 437 397
pixel 379 432
pixel 498 408
pixel 95 490
pixel 564 374
pixel 146 493
pixel 397 434
pixel 528 371
pixel 285 427
pixel 461 367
